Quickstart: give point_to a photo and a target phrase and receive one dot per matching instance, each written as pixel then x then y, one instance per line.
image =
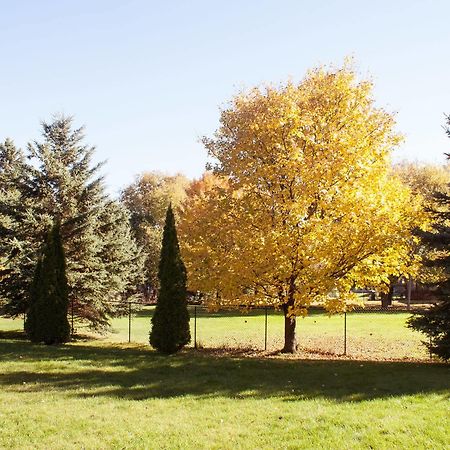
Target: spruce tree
pixel 170 322
pixel 435 322
pixel 104 263
pixel 19 240
pixel 46 319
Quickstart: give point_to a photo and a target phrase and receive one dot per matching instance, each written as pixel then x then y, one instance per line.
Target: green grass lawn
pixel 369 335
pixel 97 394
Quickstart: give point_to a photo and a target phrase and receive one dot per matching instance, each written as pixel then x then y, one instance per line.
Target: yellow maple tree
pixel 302 206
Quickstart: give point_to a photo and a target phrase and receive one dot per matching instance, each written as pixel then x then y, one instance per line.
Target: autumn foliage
pixel 302 205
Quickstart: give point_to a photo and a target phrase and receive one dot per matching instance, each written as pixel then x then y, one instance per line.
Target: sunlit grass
pixel 369 335
pixel 373 335
pixel 102 395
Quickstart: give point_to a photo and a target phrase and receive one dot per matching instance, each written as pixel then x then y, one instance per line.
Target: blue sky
pixel 147 78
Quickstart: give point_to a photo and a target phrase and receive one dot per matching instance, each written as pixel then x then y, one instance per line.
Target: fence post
pixel 71 316
pixel 265 329
pixel 431 354
pixel 129 322
pixel 195 326
pixel 345 332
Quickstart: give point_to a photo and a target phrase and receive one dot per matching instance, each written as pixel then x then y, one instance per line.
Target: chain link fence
pixel 366 333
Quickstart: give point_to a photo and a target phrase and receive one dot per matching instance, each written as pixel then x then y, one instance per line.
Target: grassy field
pixel 376 336
pixel 369 335
pixel 97 394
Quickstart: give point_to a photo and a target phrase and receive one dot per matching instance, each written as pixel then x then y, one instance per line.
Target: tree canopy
pixel 305 206
pixel 428 182
pixel 62 183
pixel 147 200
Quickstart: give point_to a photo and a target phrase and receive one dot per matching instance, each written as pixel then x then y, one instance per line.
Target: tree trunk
pixel 408 291
pixel 386 297
pixel 290 337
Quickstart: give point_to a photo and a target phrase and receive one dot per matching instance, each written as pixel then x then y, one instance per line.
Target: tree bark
pixel 409 284
pixel 290 337
pixel 386 297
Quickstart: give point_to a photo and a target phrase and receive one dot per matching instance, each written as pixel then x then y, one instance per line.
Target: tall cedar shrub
pixel 49 297
pixel 170 323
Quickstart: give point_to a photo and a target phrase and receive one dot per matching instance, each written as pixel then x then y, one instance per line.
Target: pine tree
pixel 170 322
pixel 435 322
pixel 62 182
pixel 47 314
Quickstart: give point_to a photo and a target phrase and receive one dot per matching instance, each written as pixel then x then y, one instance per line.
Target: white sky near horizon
pixel 147 78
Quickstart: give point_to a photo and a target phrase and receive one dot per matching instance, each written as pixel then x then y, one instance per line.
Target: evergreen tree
pixel 435 322
pixel 49 295
pixel 170 322
pixel 19 241
pixel 104 263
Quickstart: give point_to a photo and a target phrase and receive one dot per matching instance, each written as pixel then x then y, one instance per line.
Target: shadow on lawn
pixel 140 373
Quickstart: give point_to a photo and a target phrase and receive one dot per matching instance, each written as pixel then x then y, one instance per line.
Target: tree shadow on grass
pixel 138 373
pixel 12 334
